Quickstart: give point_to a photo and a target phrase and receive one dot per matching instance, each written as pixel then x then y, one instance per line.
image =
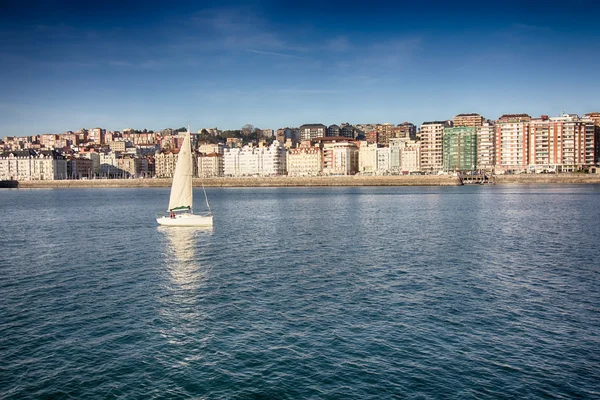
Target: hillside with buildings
pixel 468 143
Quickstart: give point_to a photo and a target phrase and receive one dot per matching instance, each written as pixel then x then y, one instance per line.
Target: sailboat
pixel 181 200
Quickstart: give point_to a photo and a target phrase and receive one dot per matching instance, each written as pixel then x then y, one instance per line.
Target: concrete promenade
pixel 284 181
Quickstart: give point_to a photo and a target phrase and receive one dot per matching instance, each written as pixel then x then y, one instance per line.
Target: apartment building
pixel 27 165
pixel 512 142
pixel 340 156
pixel 210 165
pixel 486 153
pixel 432 157
pixel 312 131
pixel 367 158
pixel 405 130
pixel 164 163
pixel 410 156
pixel 472 119
pixel 385 132
pixel 255 161
pixel 304 160
pixel 565 143
pixel 459 148
pixel 79 167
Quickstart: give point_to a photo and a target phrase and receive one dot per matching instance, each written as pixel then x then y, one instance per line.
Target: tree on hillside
pixel 247 129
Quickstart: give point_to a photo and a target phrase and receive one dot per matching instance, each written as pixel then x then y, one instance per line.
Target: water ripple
pixel 418 293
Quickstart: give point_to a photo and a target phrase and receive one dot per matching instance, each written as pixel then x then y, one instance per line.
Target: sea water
pixel 444 292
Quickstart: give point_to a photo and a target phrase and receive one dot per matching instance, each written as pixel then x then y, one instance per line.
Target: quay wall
pixel 565 178
pixel 284 181
pixel 281 181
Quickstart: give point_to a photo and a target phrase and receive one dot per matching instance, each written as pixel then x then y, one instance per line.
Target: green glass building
pixel 459 147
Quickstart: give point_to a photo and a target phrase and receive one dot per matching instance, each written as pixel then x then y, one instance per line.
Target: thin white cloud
pixel 309 91
pixel 234 28
pixel 148 64
pixel 338 44
pixel 273 53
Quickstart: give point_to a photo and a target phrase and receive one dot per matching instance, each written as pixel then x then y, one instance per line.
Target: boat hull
pixel 186 220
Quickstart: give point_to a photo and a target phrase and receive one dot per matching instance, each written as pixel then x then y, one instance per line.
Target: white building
pixel 485 146
pixel 373 159
pixel 210 165
pixel 304 161
pixel 410 156
pixel 340 156
pixel 255 161
pixel 273 159
pixel 209 148
pixel 27 165
pixel 367 158
pixel 164 163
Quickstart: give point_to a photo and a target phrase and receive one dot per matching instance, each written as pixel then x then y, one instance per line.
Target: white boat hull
pixel 186 220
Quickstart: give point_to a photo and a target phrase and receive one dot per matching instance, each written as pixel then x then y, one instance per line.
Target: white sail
pixel 181 189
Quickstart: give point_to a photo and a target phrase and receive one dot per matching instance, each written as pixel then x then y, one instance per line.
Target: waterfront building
pixel 459 148
pixel 432 160
pixel 312 131
pixel 210 165
pixel 164 163
pixel 108 165
pixel 512 142
pixel 79 167
pixel 410 156
pixel 305 160
pixel 472 119
pixel 231 161
pixel 486 153
pixel 129 166
pixel 340 155
pixel 373 159
pixel 396 145
pixel 367 158
pixel 255 161
pixel 93 155
pixel 383 161
pixel 562 144
pixel 27 165
pixel 595 118
pixel 273 159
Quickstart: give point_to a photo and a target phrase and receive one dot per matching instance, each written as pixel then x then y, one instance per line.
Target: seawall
pixel 284 181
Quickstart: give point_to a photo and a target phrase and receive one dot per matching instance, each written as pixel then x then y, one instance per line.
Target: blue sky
pixel 67 65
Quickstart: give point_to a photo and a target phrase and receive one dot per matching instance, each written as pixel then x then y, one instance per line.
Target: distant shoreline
pixel 324 181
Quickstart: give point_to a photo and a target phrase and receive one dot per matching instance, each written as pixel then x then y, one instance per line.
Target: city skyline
pixel 145 65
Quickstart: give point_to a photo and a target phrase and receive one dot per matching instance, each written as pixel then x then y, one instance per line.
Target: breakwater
pixel 285 181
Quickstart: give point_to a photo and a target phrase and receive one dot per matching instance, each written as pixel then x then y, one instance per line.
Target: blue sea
pixel 475 292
